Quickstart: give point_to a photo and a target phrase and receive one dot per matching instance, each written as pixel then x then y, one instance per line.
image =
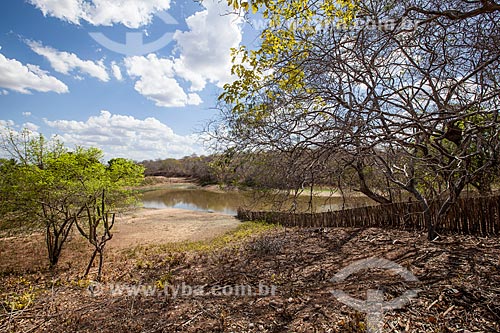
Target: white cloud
pixel 26 114
pixel 30 126
pixel 202 53
pixel 4 92
pixel 64 62
pixel 131 13
pixel 205 48
pixel 157 81
pixel 24 78
pixel 9 127
pixel 6 124
pixel 204 56
pixel 6 128
pixel 126 136
pixel 68 10
pixel 117 73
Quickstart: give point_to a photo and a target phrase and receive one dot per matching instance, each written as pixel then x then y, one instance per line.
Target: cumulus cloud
pixel 205 48
pixel 24 78
pixel 157 81
pixel 126 136
pixel 26 114
pixel 130 13
pixel 117 73
pixel 4 92
pixel 8 128
pixel 6 123
pixel 64 62
pixel 31 127
pixel 203 56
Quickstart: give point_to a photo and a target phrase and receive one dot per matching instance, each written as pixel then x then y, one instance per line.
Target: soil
pixel 278 281
pixel 159 226
pixel 140 227
pixel 458 286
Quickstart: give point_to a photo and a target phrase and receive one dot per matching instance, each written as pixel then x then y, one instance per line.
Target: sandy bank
pixel 158 226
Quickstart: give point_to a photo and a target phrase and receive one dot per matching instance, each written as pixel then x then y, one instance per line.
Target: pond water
pixel 194 199
pixel 228 202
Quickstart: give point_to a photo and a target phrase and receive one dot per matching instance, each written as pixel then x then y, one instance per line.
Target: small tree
pixel 97 216
pixel 49 185
pixel 43 187
pixel 107 192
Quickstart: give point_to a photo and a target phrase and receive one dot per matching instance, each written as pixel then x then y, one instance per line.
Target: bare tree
pixel 419 102
pixel 97 229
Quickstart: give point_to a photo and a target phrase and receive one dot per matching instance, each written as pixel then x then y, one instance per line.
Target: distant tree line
pixel 196 167
pixel 274 170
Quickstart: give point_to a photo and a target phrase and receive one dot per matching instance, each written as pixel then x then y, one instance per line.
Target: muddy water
pixel 194 199
pixel 198 199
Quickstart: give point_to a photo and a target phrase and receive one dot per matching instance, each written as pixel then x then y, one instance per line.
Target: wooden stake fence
pixel 472 216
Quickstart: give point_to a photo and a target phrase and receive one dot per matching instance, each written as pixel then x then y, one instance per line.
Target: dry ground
pixel 459 283
pixel 160 226
pixel 157 255
pixel 136 228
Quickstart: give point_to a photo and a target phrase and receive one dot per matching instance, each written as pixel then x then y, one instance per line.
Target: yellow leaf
pixel 255 8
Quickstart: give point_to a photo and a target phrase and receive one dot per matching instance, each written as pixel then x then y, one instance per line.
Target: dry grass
pixel 458 282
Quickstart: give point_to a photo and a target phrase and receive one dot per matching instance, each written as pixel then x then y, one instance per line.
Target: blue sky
pixel 56 78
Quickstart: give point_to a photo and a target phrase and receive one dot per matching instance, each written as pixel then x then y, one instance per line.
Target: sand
pixel 159 226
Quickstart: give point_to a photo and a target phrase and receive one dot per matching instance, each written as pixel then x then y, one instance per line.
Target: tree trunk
pixel 52 240
pixel 363 187
pixel 89 266
pixel 56 236
pixel 431 228
pixel 101 261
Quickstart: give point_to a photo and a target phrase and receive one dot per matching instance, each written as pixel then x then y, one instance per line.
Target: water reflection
pixel 194 199
pixel 228 203
pixel 325 204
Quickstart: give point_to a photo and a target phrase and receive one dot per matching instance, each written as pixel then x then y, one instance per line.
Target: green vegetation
pixel 46 185
pixel 404 108
pixel 285 44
